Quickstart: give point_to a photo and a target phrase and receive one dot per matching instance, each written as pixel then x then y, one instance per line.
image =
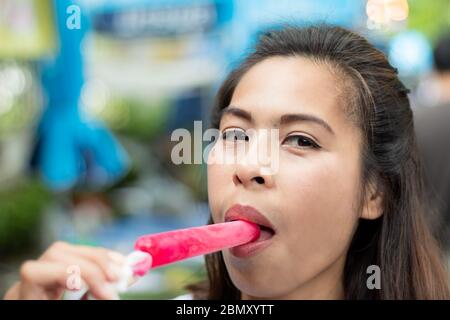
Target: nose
pixel 250 172
pixel 250 176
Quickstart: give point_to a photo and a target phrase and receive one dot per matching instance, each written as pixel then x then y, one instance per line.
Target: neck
pixel 327 285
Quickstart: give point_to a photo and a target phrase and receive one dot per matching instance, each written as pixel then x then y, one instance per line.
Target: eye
pixel 301 141
pixel 234 134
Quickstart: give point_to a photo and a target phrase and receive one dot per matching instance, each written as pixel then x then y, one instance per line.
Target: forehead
pixel 280 85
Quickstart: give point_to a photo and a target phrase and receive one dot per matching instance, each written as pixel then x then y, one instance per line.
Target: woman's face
pixel 310 200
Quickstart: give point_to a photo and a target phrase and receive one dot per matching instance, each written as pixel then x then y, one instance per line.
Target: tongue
pixel 264 234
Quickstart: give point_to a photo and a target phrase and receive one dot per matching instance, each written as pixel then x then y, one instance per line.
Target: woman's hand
pixel 65 267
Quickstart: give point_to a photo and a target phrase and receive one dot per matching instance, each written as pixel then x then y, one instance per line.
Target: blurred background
pixel 90 92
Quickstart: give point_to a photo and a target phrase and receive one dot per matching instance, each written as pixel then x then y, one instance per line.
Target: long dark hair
pixel 399 242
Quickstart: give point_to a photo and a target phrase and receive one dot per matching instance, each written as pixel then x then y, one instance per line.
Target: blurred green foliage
pixel 21 209
pixel 135 117
pixel 430 17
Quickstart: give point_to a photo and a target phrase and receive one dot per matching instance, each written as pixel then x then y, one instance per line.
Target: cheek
pixel 219 177
pixel 322 217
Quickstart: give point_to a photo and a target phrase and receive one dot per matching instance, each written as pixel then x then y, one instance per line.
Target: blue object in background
pixel 71 148
pixel 253 17
pixel 411 53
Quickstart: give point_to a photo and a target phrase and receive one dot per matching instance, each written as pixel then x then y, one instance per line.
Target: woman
pixel 346 196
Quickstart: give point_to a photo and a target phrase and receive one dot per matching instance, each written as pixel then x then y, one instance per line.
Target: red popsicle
pixel 172 246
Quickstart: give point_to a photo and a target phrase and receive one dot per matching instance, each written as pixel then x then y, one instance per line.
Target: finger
pixel 109 261
pixel 45 274
pixel 91 273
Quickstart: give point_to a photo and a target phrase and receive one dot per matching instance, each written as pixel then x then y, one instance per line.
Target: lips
pixel 248 213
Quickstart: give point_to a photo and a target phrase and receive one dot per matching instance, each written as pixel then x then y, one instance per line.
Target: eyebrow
pixel 302 117
pixel 284 119
pixel 237 112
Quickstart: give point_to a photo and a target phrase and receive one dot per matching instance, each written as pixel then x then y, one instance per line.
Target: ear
pixel 372 208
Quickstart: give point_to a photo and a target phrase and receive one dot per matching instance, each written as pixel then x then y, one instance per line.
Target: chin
pixel 253 280
pixel 257 289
